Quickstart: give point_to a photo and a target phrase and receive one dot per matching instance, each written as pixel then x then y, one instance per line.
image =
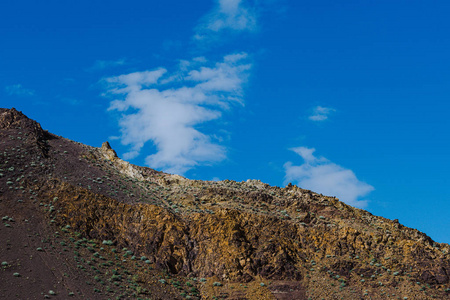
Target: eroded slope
pixel 239 240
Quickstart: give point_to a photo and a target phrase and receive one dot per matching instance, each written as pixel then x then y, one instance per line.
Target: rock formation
pixel 78 220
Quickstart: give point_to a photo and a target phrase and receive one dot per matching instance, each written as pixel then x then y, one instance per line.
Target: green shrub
pixel 116 278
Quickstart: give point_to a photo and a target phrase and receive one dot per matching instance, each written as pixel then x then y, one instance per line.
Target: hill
pixel 80 222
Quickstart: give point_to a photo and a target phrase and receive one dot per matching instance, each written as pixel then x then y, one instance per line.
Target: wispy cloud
pixel 323 176
pixel 321 113
pixel 105 64
pixel 18 90
pixel 165 108
pixel 232 15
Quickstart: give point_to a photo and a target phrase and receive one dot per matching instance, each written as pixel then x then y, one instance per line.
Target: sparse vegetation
pixel 122 231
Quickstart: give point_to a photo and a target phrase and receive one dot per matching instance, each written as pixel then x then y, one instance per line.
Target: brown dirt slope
pixel 79 222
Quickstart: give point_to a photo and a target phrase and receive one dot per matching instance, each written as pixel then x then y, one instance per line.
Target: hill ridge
pixel 247 240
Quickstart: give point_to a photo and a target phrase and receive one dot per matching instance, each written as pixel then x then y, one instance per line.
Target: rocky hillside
pixel 80 222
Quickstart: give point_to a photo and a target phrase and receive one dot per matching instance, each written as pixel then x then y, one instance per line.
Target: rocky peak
pixel 12 119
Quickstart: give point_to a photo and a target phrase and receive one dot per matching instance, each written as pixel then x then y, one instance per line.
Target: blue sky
pixel 347 99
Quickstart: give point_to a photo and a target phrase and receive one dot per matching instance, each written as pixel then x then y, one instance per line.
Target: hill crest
pixel 247 240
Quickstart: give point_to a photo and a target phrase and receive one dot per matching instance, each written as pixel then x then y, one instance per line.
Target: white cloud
pixel 231 15
pixel 135 81
pixel 104 64
pixel 323 176
pixel 18 90
pixel 321 113
pixel 165 108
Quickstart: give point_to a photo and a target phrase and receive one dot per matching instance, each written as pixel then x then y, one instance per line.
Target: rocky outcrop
pixel 108 151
